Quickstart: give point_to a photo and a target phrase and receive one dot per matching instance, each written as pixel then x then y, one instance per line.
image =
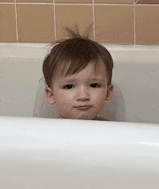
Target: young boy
pixel 78 74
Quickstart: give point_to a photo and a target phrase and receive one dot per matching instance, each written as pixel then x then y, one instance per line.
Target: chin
pixel 84 117
pixel 79 116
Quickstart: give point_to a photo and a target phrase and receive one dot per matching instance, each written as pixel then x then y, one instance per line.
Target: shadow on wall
pixel 115 110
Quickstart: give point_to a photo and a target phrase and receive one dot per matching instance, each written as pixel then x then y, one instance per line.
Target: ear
pixel 110 93
pixel 49 96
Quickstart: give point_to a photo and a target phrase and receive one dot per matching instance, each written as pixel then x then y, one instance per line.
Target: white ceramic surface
pixel 38 153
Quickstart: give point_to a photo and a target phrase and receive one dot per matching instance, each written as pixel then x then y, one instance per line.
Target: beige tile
pixel 35 23
pixel 36 1
pixel 68 16
pixel 147 25
pixel 7 1
pixel 114 24
pixel 115 1
pixel 73 1
pixel 7 23
pixel 148 2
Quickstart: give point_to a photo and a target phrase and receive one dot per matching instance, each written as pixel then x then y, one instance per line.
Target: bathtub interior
pixel 135 78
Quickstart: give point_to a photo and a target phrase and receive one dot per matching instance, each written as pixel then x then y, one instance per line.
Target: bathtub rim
pixel 120 53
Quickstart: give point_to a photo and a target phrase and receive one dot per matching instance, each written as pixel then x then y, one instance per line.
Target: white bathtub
pixel 135 77
pixel 40 153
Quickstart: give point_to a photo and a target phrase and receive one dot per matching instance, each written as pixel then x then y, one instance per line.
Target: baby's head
pixel 78 75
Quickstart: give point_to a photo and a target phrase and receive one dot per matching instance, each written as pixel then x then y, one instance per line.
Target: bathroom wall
pixel 114 21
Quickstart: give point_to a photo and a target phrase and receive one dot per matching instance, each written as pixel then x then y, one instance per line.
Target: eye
pixel 95 85
pixel 68 86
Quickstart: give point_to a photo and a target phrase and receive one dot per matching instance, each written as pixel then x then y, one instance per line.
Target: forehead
pixel 92 70
pixel 66 68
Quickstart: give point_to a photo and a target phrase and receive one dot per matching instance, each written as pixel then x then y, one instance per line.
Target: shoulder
pixel 101 119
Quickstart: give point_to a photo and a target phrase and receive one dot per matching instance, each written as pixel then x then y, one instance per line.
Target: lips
pixel 84 107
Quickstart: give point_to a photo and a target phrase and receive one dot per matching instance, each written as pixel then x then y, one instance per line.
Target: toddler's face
pixel 81 95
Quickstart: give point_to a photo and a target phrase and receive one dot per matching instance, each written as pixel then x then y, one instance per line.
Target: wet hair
pixel 72 55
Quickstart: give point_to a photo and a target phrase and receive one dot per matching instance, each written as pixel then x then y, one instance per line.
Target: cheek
pixel 100 96
pixel 63 97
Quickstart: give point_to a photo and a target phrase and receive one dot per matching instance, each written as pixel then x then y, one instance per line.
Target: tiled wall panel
pixel 112 26
pixel 147 25
pixel 74 1
pixel 34 1
pixel 148 2
pixel 35 23
pixel 115 1
pixel 7 23
pixel 7 1
pixel 113 21
pixel 65 18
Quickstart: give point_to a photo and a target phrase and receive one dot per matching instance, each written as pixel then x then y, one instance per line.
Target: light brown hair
pixel 74 54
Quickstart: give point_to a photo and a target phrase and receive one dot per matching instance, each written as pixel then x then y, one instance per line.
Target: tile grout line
pixel 146 5
pixel 75 4
pixel 134 25
pixel 69 4
pixel 94 24
pixel 16 21
pixel 54 8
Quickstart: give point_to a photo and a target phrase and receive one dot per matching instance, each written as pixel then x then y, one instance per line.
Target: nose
pixel 83 94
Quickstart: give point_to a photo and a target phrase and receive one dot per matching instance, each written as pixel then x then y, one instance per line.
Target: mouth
pixel 85 107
